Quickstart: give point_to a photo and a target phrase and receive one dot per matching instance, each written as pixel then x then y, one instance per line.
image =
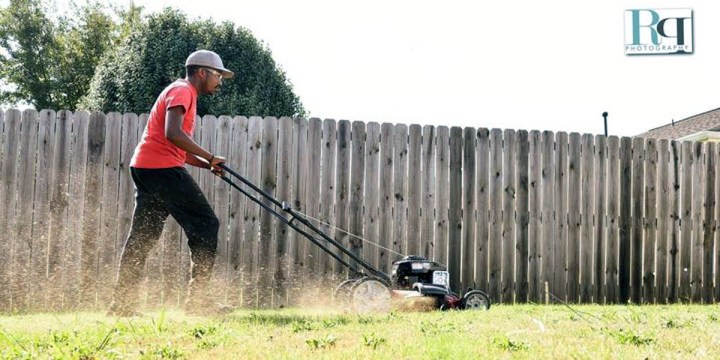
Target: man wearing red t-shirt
pixel 164 187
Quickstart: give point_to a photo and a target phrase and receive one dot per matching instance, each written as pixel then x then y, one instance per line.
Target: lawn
pixel 504 332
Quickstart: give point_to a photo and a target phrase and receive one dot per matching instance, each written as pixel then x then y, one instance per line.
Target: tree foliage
pixel 132 75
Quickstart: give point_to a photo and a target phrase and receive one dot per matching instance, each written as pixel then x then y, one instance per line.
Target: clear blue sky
pixel 546 65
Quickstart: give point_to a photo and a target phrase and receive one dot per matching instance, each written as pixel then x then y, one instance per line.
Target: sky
pixel 535 65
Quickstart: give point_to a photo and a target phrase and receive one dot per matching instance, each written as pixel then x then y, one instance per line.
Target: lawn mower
pixel 368 289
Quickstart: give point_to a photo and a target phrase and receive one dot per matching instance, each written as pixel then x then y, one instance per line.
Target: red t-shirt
pixel 155 151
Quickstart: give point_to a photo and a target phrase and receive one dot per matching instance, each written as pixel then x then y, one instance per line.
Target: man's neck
pixel 194 82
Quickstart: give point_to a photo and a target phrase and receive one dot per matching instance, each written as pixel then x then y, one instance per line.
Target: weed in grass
pixel 628 337
pixel 303 325
pixel 713 318
pixel 203 331
pixel 505 343
pixel 672 323
pixel 373 340
pixel 435 328
pixel 321 343
pixel 167 351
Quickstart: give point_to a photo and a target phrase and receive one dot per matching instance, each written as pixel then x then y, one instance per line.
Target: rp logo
pixel 658 31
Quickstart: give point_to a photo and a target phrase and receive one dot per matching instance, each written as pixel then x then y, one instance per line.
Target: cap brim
pixel 226 74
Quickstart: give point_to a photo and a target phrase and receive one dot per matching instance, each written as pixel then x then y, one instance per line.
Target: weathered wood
pixel 400 164
pixel 708 226
pixel 11 144
pixel 716 226
pixel 427 228
pixel 663 222
pixel 548 214
pixel 126 194
pixel 327 196
pixel 574 219
pixel 535 211
pixel 443 194
pixel 481 221
pixel 455 208
pixel 58 210
pixel 561 204
pixel 686 220
pixel 371 230
pixel 387 133
pixel 21 234
pixel 586 209
pixel 413 194
pixel 495 233
pixel 342 193
pixel 299 175
pixel 221 206
pixel 521 256
pixel 93 207
pixel 312 190
pixel 508 206
pixel 613 206
pixel 638 181
pixel 357 188
pixel 625 221
pixel 468 209
pixel 78 165
pixel 697 221
pixel 237 160
pixel 650 223
pixel 600 222
pixel 282 260
pixel 251 218
pixel 674 240
pixel 268 183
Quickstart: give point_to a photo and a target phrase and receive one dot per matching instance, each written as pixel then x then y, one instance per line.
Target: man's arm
pixel 175 134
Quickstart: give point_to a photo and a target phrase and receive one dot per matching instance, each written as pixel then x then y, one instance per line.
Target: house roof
pixel 707 121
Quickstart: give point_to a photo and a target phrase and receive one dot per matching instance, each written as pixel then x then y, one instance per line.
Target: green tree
pixel 49 62
pixel 130 77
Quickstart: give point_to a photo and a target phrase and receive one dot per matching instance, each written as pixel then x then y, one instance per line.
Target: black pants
pixel 159 193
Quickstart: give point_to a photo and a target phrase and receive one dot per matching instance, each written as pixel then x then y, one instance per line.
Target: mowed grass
pixel 504 332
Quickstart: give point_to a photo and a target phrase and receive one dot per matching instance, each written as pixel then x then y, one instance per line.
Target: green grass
pixel 517 332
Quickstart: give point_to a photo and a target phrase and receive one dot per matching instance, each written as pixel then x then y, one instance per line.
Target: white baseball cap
pixel 207 58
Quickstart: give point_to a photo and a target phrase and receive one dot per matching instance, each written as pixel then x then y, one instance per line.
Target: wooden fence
pixel 526 216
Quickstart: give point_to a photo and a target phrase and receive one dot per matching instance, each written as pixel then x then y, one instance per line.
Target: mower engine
pixel 415 275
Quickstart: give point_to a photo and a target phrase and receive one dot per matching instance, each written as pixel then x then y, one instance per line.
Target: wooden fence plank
pixel 638 181
pixel 521 262
pixel 686 221
pixel 443 194
pixel 674 240
pixel 468 210
pixel 697 221
pixel 413 192
pixel 427 229
pixel 508 206
pixel 357 189
pixel 267 239
pixel 372 193
pixel 11 144
pixel 327 196
pixel 78 167
pixel 561 204
pixel 613 192
pixel 58 210
pixel 495 234
pixel 574 219
pixel 709 227
pixel 587 208
pixel 625 221
pixel 535 212
pixel 313 189
pixel 251 224
pixel 716 226
pixel 21 234
pixel 387 133
pixel 599 221
pixel 342 192
pixel 126 203
pixel 481 221
pixel 284 194
pixel 663 222
pixel 221 206
pixel 548 213
pixel 92 211
pixel 400 164
pixel 296 242
pixel 649 241
pixel 455 208
pixel 237 160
